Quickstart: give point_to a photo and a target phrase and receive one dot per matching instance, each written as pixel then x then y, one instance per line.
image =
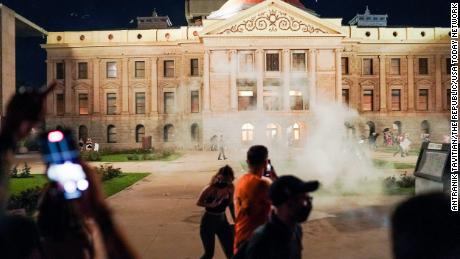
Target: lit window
pixel 83 104
pixel 111 69
pixel 247 132
pixel 195 102
pixel 368 100
pixel 296 100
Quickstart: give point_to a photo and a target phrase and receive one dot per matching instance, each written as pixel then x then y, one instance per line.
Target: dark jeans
pixel 212 225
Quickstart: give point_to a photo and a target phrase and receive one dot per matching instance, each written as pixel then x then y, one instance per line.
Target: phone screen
pixel 268 170
pixel 61 153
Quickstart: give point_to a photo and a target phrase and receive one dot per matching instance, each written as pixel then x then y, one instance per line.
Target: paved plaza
pixel 161 219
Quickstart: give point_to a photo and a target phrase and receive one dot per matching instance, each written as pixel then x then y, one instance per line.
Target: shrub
pixel 14 172
pixel 91 156
pixel 108 172
pixel 27 199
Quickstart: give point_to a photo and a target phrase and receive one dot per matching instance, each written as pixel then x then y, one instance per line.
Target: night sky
pixel 59 15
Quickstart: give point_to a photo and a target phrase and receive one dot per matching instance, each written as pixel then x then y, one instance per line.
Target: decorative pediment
pixel 396 82
pixel 347 82
pixel 368 83
pixel 424 82
pixel 139 85
pixel 81 86
pixel 111 86
pixel 274 18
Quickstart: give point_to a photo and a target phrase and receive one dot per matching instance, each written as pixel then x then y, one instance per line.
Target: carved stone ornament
pixel 273 21
pixel 111 86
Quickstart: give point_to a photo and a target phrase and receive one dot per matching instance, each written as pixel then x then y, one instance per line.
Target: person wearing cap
pixel 252 204
pixel 281 236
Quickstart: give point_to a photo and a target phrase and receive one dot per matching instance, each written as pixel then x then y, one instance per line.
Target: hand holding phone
pixel 270 171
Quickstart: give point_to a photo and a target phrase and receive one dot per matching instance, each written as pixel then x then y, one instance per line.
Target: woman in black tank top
pixel 215 198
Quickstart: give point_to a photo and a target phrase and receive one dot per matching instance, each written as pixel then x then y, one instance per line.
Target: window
pixel 423 99
pixel 346 97
pixel 139 69
pixel 111 69
pixel 448 66
pixel 345 70
pixel 195 101
pixel 83 133
pixel 194 132
pixel 298 61
pixel 168 133
pixel 60 105
pixel 296 132
pixel 395 99
pixel 272 62
pixel 246 62
pixel 194 69
pixel 169 68
pixel 296 100
pixel 247 132
pixel 82 70
pixel 368 100
pixel 111 103
pixel 246 100
pixel 271 101
pixel 168 102
pixel 140 103
pixel 140 133
pixel 83 104
pixel 272 132
pixel 395 68
pixel 368 66
pixel 423 66
pixel 60 71
pixel 111 134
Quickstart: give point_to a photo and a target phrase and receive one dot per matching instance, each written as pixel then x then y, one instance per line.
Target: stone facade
pixel 255 77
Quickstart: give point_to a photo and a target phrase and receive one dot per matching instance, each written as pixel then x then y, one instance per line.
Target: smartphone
pixel 61 153
pixel 268 169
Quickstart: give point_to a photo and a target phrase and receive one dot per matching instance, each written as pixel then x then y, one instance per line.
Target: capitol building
pixel 253 71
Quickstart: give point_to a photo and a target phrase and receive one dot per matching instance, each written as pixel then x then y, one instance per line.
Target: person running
pixel 251 199
pixel 215 198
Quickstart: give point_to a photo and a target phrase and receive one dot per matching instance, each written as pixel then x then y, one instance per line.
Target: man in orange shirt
pixel 252 204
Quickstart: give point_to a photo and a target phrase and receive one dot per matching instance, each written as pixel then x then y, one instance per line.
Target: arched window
pixel 194 132
pixel 140 133
pixel 296 131
pixel 83 133
pixel 168 133
pixel 272 131
pixel 425 126
pixel 397 125
pixel 111 134
pixel 247 132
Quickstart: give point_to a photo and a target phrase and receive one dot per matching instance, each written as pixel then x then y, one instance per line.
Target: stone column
pixel 312 76
pixel 154 86
pixel 383 84
pixel 124 86
pixel 410 83
pixel 338 75
pixel 96 87
pixel 68 87
pixel 438 71
pixel 233 78
pixel 260 79
pixel 286 78
pixel 206 78
pixel 50 100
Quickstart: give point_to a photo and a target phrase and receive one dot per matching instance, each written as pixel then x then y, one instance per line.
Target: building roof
pixel 24 27
pixel 369 20
pixel 232 7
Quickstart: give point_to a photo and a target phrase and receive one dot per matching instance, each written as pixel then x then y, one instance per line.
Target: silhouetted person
pixel 424 227
pixel 18 236
pixel 252 203
pixel 221 148
pixel 281 236
pixel 216 197
pixel 79 218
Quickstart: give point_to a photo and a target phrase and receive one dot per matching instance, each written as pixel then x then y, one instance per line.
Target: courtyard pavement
pixel 160 217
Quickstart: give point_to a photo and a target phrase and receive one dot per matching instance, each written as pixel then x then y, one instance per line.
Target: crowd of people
pixel 267 210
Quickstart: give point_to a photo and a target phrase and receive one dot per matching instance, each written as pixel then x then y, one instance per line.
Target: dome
pixel 232 7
